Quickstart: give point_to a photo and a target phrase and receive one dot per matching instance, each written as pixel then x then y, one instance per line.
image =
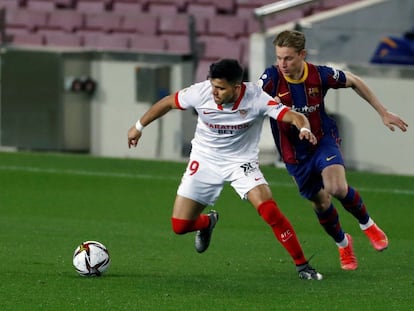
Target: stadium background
pixel 44 61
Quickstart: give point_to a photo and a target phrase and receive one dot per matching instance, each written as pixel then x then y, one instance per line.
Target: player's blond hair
pixel 290 39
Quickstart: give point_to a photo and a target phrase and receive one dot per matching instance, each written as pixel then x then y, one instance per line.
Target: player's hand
pixel 133 136
pixel 390 119
pixel 305 133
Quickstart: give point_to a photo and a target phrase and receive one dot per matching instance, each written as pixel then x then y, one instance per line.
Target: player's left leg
pixel 335 183
pixel 261 198
pixel 354 204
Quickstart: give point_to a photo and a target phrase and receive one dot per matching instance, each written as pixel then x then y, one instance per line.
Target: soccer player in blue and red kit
pixel 319 170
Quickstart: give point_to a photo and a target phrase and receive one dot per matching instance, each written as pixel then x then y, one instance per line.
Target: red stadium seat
pixel 139 23
pixel 25 18
pixel 142 43
pixel 229 26
pixel 91 6
pixel 216 47
pixel 127 7
pixel 179 24
pixel 106 42
pixel 65 20
pixel 41 5
pixel 105 22
pixel 179 44
pixel 30 39
pixel 201 9
pixel 63 40
pixel 165 9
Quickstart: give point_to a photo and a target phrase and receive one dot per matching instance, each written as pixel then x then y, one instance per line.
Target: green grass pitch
pixel 50 203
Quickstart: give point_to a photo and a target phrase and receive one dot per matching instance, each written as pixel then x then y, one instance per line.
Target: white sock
pixel 367 225
pixel 343 243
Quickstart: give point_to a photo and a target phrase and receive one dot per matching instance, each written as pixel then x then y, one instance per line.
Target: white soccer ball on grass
pixel 91 258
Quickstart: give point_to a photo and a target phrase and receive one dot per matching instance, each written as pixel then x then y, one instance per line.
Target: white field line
pixel 172 178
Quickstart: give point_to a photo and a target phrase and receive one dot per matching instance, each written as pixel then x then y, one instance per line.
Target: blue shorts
pixel 308 173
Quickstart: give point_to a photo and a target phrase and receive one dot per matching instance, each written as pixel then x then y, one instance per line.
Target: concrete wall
pixel 115 107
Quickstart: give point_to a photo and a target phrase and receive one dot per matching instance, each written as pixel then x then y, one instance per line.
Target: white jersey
pixel 231 130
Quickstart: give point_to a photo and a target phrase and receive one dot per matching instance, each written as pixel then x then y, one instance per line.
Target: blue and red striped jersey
pixel 306 96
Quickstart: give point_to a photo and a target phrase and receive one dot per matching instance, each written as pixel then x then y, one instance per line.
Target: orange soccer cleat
pixel 347 255
pixel 377 237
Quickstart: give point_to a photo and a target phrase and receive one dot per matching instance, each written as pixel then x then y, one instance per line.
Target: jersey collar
pixel 304 76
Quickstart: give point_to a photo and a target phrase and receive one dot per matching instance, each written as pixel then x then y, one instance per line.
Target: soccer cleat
pixel 203 237
pixel 347 255
pixel 306 272
pixel 377 237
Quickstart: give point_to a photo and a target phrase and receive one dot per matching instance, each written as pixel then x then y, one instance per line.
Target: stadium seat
pixel 201 9
pixel 127 7
pixel 142 43
pixel 91 6
pixel 63 40
pixel 65 4
pixel 26 18
pixel 227 7
pixel 179 44
pixel 106 42
pixel 65 20
pixel 179 24
pixel 180 5
pixel 229 26
pixel 31 39
pixel 216 47
pixel 11 4
pixel 105 22
pixel 139 23
pixel 41 5
pixel 162 9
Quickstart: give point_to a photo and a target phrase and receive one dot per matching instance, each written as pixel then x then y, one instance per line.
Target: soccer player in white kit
pixel 225 149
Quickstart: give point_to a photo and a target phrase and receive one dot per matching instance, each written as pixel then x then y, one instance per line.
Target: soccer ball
pixel 91 258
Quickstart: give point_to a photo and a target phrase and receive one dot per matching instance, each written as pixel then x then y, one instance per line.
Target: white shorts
pixel 204 178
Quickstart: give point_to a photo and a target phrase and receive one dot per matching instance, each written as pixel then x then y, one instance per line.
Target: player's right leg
pixel 187 217
pixel 200 186
pixel 329 220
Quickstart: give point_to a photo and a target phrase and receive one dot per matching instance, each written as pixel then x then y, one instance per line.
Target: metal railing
pixel 270 9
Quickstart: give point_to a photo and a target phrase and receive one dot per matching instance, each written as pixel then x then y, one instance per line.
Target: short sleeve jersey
pixel 231 130
pixel 306 96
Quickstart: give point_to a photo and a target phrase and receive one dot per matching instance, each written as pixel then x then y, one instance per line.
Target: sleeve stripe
pixel 177 103
pixel 282 113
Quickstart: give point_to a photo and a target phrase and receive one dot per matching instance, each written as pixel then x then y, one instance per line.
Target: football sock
pixel 181 226
pixel 329 220
pixel 353 204
pixel 283 230
pixel 367 225
pixel 343 243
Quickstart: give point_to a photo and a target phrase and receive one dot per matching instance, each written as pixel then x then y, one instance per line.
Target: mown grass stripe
pixel 172 178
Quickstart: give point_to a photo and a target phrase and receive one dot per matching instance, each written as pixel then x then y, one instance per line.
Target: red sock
pixel 181 226
pixel 283 230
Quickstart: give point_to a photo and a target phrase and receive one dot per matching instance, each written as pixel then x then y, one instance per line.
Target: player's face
pixel 224 92
pixel 290 61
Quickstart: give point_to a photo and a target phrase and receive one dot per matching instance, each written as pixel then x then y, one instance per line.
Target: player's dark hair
pixel 228 69
pixel 290 39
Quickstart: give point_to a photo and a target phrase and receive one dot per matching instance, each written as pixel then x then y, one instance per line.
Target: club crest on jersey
pixel 313 91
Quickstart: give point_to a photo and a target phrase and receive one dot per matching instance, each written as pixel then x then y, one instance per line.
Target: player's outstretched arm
pixel 302 124
pixel 389 118
pixel 156 111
